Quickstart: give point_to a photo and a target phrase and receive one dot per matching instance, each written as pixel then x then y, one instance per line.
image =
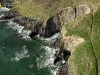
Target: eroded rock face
pixel 70 42
pixel 62 54
pixel 63 70
pixel 68 45
pixel 55 23
pixel 64 16
pixel 82 10
pixel 33 25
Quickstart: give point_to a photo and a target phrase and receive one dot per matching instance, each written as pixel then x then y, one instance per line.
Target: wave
pixel 50 40
pixel 4 9
pixel 48 59
pixel 1 15
pixel 19 29
pixel 20 54
pixel 49 54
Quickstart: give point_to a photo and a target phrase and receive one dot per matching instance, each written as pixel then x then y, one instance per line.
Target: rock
pixel 82 10
pixel 55 23
pixel 63 70
pixel 61 54
pixel 33 25
pixel 8 15
pixel 57 59
pixel 70 42
pixel 64 16
pixel 32 34
pixel 56 44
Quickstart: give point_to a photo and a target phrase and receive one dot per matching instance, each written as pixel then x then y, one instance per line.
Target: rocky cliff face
pixel 54 25
pixel 67 44
pixel 33 25
pixel 64 16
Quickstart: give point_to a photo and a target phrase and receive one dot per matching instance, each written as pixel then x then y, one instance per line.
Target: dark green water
pixel 19 56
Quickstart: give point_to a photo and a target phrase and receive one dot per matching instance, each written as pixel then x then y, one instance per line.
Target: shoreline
pixel 17 25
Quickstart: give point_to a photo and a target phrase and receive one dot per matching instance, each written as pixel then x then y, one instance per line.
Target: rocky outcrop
pixel 61 54
pixel 67 44
pixel 64 16
pixel 70 42
pixel 54 25
pixel 33 25
pixel 63 70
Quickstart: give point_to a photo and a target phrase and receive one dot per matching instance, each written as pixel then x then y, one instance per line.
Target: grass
pixel 96 36
pixel 82 60
pixel 43 9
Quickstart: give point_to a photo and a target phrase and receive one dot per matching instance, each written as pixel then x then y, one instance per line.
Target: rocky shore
pixel 53 25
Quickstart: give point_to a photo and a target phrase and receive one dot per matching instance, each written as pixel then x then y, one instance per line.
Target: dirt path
pixel 91 31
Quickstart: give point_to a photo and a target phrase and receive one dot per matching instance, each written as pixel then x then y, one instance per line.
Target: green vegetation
pixel 96 36
pixel 40 9
pixel 96 33
pixel 43 9
pixel 83 60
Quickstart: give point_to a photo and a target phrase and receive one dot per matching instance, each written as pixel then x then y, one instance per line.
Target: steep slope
pixel 46 8
pixel 85 58
pixel 78 26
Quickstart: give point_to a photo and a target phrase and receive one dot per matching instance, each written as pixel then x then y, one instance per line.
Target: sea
pixel 22 55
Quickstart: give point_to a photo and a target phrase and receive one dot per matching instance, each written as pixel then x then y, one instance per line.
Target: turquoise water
pixel 19 56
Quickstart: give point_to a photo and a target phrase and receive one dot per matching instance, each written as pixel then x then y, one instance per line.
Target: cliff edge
pixel 78 24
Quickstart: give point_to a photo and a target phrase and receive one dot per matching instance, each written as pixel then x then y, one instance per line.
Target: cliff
pixel 78 26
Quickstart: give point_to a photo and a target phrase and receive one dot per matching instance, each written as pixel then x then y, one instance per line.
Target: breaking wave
pixel 49 54
pixel 21 54
pixel 4 9
pixel 19 29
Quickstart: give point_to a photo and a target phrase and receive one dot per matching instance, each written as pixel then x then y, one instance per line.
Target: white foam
pixel 1 15
pixel 31 66
pixel 4 9
pixel 48 59
pixel 19 29
pixel 49 55
pixel 50 39
pixel 21 54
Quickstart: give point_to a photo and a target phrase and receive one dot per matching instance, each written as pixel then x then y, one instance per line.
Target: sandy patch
pixel 70 42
